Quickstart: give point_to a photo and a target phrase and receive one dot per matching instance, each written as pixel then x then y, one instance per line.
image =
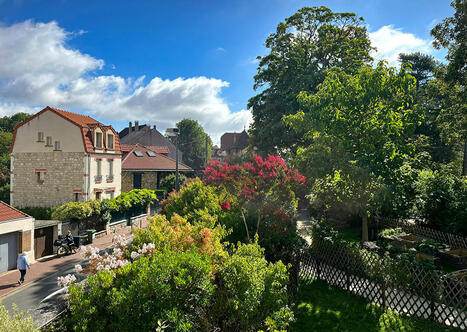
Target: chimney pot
pixel 129 127
pixel 136 125
pixel 154 127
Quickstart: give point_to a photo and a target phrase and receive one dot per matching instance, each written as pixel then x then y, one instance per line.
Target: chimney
pixel 129 128
pixel 154 127
pixel 136 125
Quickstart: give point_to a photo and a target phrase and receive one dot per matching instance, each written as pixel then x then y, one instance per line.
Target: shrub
pixel 39 213
pixel 441 201
pixel 134 199
pixel 76 210
pixel 168 182
pixel 18 322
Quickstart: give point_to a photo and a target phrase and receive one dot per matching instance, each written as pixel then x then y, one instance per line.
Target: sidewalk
pixel 39 270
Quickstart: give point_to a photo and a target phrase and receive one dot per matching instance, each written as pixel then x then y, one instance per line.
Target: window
pixel 40 177
pixel 98 195
pixel 151 153
pixel 98 140
pixel 110 177
pixel 110 141
pixel 137 180
pixel 76 197
pixel 138 153
pixel 98 177
pixel 111 194
pixel 40 136
pixel 49 141
pixel 57 146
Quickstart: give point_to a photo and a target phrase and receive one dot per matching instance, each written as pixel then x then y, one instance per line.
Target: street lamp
pixel 174 132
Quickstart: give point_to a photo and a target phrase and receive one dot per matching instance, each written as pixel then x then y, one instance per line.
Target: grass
pixel 321 307
pixel 353 235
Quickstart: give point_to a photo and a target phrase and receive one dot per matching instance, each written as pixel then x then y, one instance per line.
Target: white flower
pixel 118 252
pixel 134 255
pixel 78 268
pixel 66 280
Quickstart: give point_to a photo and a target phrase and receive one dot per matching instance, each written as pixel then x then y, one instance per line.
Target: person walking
pixel 22 263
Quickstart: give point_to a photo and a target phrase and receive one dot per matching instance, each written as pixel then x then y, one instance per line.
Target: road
pixel 29 297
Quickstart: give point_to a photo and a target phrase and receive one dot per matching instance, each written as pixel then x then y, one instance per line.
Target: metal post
pixel 177 185
pixel 206 146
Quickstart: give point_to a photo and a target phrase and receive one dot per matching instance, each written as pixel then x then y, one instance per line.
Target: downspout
pixel 88 190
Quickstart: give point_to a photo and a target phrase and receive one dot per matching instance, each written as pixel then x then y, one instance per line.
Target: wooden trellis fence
pixel 404 287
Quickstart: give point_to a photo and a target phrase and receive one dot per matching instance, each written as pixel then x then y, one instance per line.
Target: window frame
pixel 57 146
pixel 48 141
pixel 99 144
pixel 110 141
pixel 40 136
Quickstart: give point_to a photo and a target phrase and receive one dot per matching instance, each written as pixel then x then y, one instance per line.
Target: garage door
pixel 8 251
pixel 43 242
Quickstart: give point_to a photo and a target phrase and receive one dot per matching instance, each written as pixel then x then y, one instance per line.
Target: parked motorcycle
pixel 63 247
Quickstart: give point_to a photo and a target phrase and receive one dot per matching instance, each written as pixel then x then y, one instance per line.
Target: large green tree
pixel 301 51
pixel 451 34
pixel 195 144
pixel 360 126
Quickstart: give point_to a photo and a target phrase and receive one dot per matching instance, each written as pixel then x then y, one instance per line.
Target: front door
pixel 137 181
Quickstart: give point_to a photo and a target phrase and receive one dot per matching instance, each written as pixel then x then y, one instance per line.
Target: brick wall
pixel 63 173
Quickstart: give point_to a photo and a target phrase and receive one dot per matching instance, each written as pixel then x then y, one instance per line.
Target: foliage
pixel 17 322
pixel 430 247
pixel 5 193
pixel 184 280
pixel 250 290
pixel 39 213
pixel 301 51
pixel 134 199
pixel 322 230
pixel 168 182
pixel 441 201
pixel 192 142
pixel 264 184
pixel 77 210
pixel 322 307
pixel 389 233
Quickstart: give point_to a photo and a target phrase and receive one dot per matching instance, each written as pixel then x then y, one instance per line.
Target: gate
pixel 43 242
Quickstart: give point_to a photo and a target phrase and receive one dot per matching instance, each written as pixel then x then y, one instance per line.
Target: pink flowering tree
pixel 260 186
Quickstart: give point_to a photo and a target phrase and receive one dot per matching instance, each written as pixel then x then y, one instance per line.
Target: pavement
pixel 41 279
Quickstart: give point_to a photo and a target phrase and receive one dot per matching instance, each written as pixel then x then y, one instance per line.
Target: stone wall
pixel 63 174
pixel 148 180
pixel 127 181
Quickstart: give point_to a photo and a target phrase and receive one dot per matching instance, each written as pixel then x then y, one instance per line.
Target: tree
pixel 423 66
pixel 192 142
pixel 363 122
pixel 451 33
pixel 302 49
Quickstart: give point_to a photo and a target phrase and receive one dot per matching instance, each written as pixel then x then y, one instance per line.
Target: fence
pixel 454 241
pixel 404 287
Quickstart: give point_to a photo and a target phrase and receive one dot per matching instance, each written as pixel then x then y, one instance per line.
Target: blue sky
pixel 160 61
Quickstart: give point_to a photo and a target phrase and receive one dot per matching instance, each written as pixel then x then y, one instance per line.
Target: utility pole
pixel 207 152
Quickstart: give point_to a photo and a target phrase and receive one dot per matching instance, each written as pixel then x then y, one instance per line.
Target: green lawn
pixel 321 307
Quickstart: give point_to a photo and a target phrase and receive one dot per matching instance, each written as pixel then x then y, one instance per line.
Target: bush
pixel 132 200
pixel 184 280
pixel 39 213
pixel 168 182
pixel 76 210
pixel 18 322
pixel 441 201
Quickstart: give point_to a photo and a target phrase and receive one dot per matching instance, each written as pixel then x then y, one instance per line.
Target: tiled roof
pixel 234 140
pixel 86 124
pixel 159 149
pixel 157 163
pixel 9 213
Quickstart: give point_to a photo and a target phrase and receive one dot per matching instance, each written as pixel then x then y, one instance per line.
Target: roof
pixel 84 122
pixel 234 140
pixel 10 213
pixel 148 136
pixel 158 149
pixel 157 163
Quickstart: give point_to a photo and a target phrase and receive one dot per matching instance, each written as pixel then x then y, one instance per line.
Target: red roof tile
pixel 157 163
pixel 10 213
pixel 86 123
pixel 159 149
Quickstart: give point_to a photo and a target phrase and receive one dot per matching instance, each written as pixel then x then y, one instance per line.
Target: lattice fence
pixel 404 287
pixel 454 241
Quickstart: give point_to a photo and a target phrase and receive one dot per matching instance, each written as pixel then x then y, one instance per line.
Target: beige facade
pixel 24 229
pixel 55 159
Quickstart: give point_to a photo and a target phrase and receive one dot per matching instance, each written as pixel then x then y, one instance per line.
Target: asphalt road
pixel 29 297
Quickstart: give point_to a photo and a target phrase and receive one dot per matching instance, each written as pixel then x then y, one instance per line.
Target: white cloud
pixel 390 42
pixel 38 68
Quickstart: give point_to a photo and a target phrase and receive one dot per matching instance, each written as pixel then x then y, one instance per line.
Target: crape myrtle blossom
pixel 66 280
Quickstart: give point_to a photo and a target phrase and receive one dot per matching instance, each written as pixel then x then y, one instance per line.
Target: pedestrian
pixel 22 264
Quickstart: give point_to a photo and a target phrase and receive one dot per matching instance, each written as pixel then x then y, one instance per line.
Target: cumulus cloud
pixel 38 68
pixel 390 42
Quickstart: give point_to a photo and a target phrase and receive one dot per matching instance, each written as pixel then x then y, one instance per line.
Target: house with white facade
pixel 59 157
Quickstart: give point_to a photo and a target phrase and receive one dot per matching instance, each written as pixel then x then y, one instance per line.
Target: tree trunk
pixel 464 164
pixel 257 224
pixel 365 227
pixel 246 227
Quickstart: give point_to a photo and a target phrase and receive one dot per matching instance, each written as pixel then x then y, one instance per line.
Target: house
pixel 147 136
pixel 59 156
pixel 234 143
pixel 16 236
pixel 143 167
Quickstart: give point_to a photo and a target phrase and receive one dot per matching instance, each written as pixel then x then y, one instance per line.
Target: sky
pixel 161 61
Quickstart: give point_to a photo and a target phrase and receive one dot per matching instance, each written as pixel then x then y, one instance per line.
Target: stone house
pixel 143 167
pixel 16 236
pixel 234 143
pixel 59 157
pixel 147 136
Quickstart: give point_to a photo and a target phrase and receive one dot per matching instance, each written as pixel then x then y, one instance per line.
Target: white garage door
pixel 8 251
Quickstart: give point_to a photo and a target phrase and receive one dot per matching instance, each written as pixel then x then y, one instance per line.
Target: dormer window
pixel 40 136
pixel 110 141
pixel 98 140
